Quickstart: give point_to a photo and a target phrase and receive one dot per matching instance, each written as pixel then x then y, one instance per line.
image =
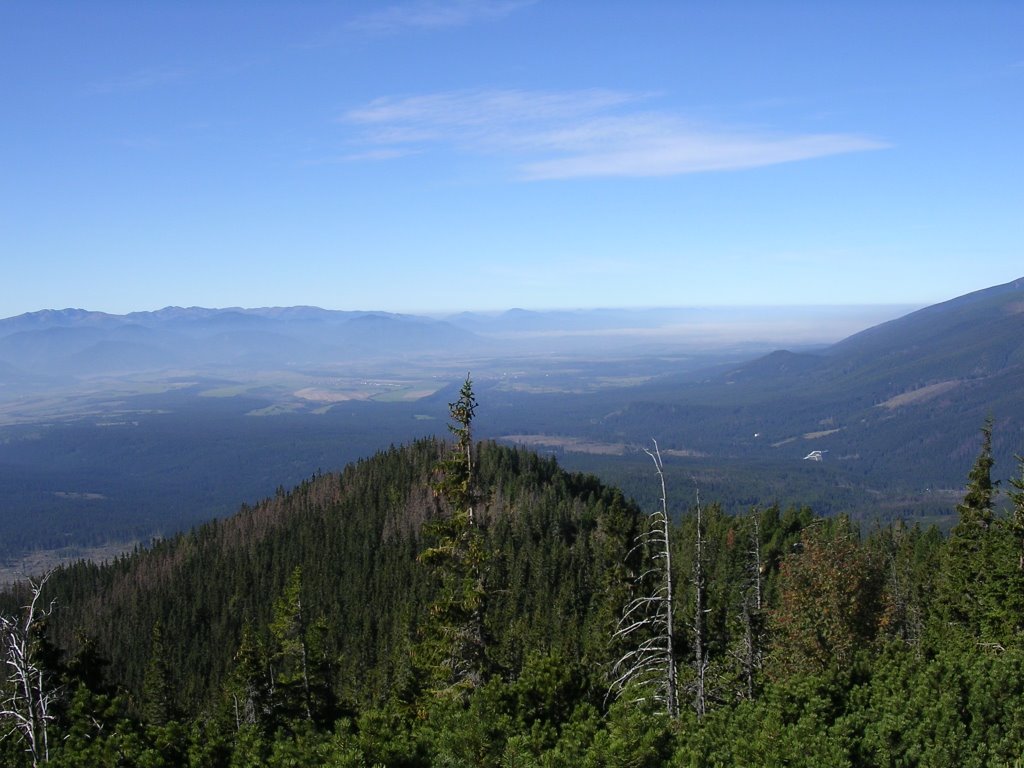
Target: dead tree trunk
pixel 26 707
pixel 700 660
pixel 650 666
pixel 752 609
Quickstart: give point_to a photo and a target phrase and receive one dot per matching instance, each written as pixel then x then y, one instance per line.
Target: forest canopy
pixel 459 603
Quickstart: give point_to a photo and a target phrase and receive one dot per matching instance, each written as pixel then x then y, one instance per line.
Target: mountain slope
pixel 555 539
pixel 897 405
pixel 973 336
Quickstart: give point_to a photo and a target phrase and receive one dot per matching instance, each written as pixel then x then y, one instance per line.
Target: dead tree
pixel 649 668
pixel 27 703
pixel 700 653
pixel 752 608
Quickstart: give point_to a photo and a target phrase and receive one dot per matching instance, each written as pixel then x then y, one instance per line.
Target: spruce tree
pixel 157 693
pixel 973 584
pixel 978 505
pixel 453 647
pixel 1009 600
pixel 248 686
pixel 1017 513
pixel 290 662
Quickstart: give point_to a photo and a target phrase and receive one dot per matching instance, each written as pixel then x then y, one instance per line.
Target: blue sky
pixel 430 156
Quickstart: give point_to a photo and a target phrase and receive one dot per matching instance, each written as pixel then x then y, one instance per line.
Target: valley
pixel 106 459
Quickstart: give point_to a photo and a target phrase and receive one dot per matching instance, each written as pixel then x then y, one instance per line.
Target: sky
pixel 434 155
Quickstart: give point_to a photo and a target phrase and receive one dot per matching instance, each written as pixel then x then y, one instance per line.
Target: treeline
pixel 458 605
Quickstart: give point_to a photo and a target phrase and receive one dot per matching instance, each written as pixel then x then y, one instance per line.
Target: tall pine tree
pixel 974 585
pixel 453 646
pixel 157 692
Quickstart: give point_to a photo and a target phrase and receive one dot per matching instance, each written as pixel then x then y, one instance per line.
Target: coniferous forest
pixel 467 604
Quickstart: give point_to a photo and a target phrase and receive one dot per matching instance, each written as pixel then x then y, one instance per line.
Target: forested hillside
pixel 895 407
pixel 464 604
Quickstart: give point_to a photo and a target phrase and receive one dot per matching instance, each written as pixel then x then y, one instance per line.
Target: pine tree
pixel 829 602
pixel 1006 594
pixel 296 661
pixel 455 484
pixel 973 587
pixel 1017 513
pixel 157 692
pixel 454 647
pixel 912 560
pixel 1012 560
pixel 978 505
pixel 248 686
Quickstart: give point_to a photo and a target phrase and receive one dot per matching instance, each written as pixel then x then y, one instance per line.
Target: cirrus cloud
pixel 583 133
pixel 433 14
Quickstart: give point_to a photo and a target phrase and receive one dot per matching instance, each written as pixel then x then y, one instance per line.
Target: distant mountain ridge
pixel 171 315
pixel 970 337
pixel 75 342
pixel 910 392
pixel 55 347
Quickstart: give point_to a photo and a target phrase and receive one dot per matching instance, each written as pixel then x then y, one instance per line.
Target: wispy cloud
pixel 586 133
pixel 435 14
pixel 488 117
pixel 136 81
pixel 678 151
pixel 369 155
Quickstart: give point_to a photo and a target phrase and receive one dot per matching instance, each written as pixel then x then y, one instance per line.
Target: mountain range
pixel 62 344
pixel 55 348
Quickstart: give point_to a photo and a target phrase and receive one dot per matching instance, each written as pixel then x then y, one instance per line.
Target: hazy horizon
pixel 452 312
pixel 590 328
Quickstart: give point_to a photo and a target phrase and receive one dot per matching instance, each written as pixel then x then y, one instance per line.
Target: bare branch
pixel 27 705
pixel 651 663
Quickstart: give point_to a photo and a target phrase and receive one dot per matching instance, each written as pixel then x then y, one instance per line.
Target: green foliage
pixel 456 483
pixel 158 706
pixel 955 709
pixel 982 584
pixel 452 653
pixel 632 736
pixel 297 633
pixel 976 509
pixel 911 558
pixel 299 661
pixel 386 736
pixel 247 690
pixel 100 733
pixel 1016 520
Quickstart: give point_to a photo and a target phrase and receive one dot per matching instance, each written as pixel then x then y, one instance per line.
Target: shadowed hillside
pixel 895 405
